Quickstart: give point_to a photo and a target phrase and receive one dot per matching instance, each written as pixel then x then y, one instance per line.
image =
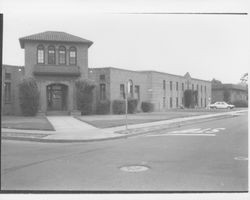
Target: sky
pixel 206 46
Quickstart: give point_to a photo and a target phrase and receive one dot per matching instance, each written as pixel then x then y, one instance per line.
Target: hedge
pixel 84 96
pixel 29 97
pixel 147 106
pixel 240 103
pixel 132 105
pixel 118 106
pixel 103 107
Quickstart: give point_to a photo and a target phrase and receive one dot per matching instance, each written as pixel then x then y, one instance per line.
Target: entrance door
pixel 56 97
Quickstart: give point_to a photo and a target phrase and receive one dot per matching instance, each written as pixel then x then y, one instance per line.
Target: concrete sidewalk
pixel 70 129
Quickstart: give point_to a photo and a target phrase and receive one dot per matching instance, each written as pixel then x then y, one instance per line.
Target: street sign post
pixel 129 83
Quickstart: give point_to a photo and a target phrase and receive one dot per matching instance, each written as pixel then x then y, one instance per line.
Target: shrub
pixel 103 107
pixel 84 96
pixel 29 97
pixel 147 106
pixel 132 105
pixel 190 98
pixel 118 106
pixel 240 103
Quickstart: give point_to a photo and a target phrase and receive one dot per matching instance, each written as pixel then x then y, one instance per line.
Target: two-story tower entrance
pixel 57 97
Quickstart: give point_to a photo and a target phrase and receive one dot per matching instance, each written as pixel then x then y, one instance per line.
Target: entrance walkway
pixel 69 124
pixel 67 127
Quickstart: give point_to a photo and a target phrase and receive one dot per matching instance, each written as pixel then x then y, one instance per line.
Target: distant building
pixel 231 93
pixel 57 59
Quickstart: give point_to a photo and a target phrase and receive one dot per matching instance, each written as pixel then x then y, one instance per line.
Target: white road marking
pixel 190 132
pixel 180 134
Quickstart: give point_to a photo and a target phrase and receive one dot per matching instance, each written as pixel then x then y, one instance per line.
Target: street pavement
pixel 70 129
pixel 207 156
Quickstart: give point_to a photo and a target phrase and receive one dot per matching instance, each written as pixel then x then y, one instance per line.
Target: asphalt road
pixel 208 156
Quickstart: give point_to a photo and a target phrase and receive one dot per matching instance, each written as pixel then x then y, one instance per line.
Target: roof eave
pixel 23 40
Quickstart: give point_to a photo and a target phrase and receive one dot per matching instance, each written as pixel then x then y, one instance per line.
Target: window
pixel 182 86
pixel 7 92
pixel 171 85
pixel 192 86
pixel 102 91
pixel 171 103
pixel 51 55
pixel 177 103
pixel 72 56
pixel 130 85
pixel 62 55
pixel 197 87
pixel 201 88
pixel 182 101
pixel 102 77
pixel 122 91
pixel 7 76
pixel 176 86
pixel 164 85
pixel 205 101
pixel 164 102
pixel 137 92
pixel 201 102
pixel 205 89
pixel 40 54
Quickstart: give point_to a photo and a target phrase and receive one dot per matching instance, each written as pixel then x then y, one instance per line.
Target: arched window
pixel 51 55
pixel 72 56
pixel 62 55
pixel 40 54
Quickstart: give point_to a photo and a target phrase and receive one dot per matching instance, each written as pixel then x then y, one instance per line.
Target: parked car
pixel 221 104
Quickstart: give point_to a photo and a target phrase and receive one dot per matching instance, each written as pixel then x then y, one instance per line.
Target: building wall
pixel 16 74
pixel 31 56
pixel 159 93
pixel 67 79
pixel 234 94
pixel 151 87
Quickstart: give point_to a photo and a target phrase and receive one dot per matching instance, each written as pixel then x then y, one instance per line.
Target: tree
pixel 226 95
pixel 84 96
pixel 189 98
pixel 29 97
pixel 244 78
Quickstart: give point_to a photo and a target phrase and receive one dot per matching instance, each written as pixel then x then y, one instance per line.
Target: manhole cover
pixel 134 168
pixel 241 158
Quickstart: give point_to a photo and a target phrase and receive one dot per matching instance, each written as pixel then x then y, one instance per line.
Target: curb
pixel 122 136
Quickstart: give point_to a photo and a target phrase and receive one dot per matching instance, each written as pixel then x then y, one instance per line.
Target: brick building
pixel 231 93
pixel 57 59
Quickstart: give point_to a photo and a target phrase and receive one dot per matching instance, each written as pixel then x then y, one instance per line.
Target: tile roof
pixel 54 36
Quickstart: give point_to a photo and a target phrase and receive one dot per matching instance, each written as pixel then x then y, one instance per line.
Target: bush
pixel 29 97
pixel 190 98
pixel 132 105
pixel 84 96
pixel 103 107
pixel 118 106
pixel 147 106
pixel 240 103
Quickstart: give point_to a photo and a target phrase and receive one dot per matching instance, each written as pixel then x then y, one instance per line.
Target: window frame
pixel 73 49
pixel 7 100
pixel 102 92
pixel 54 56
pixel 61 48
pixel 122 91
pixel 40 47
pixel 137 91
